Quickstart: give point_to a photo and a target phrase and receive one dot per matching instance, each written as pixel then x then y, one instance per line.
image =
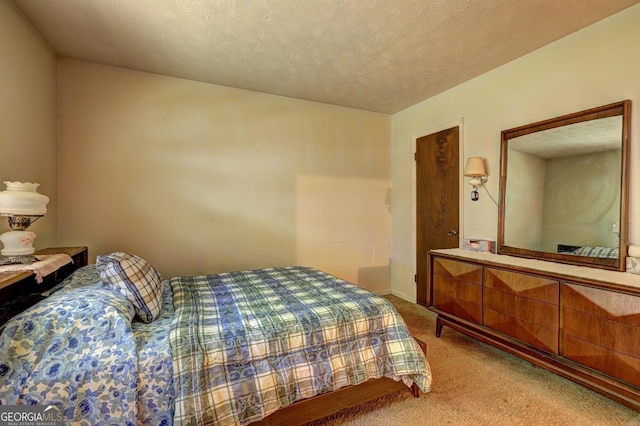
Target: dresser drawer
pixel 457 289
pixel 523 306
pixel 523 285
pixel 601 329
pixel 460 271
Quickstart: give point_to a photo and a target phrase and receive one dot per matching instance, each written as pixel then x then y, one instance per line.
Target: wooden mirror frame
pixel 622 108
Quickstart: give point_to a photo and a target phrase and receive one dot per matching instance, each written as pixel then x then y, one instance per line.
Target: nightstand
pixel 19 290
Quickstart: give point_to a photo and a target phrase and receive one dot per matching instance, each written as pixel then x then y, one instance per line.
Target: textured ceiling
pixel 376 55
pixel 604 134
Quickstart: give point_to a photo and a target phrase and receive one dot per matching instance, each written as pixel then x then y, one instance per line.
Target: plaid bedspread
pixel 247 343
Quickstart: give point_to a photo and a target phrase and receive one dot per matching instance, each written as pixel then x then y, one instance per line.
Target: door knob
pixel 452 233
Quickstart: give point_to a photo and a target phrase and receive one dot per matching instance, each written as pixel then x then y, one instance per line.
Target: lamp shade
pixel 22 199
pixel 474 167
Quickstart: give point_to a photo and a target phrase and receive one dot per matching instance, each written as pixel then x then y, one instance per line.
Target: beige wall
pixel 582 201
pixel 28 126
pixel 572 200
pixel 200 178
pixel 596 66
pixel 526 194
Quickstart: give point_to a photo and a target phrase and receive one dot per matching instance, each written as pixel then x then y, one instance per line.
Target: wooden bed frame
pixel 332 403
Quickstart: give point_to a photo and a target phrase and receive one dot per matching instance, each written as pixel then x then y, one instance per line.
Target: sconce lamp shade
pixel 474 167
pixel 22 205
pixel 475 170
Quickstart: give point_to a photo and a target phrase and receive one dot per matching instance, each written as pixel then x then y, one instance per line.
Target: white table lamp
pixel 22 205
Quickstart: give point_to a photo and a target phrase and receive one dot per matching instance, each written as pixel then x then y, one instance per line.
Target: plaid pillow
pixel 136 279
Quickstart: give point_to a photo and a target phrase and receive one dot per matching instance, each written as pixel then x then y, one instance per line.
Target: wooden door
pixel 437 200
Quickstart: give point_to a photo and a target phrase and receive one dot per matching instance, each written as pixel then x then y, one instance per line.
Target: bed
pixel 590 251
pixel 116 344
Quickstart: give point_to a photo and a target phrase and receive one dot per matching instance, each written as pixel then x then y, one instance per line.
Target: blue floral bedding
pixel 155 366
pixel 82 348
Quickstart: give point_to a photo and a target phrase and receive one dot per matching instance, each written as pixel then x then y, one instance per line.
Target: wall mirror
pixel 563 188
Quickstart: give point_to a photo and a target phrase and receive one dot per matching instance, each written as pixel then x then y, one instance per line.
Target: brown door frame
pixel 414 185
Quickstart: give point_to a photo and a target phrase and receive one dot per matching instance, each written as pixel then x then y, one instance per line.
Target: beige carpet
pixel 476 384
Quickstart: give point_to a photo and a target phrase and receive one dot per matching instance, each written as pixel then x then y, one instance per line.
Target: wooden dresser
pixel 19 290
pixel 581 323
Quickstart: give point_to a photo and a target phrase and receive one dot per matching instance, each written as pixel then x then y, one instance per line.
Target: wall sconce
pixel 475 169
pixel 22 205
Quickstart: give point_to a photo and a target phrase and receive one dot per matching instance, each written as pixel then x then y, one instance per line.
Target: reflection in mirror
pixel 563 188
